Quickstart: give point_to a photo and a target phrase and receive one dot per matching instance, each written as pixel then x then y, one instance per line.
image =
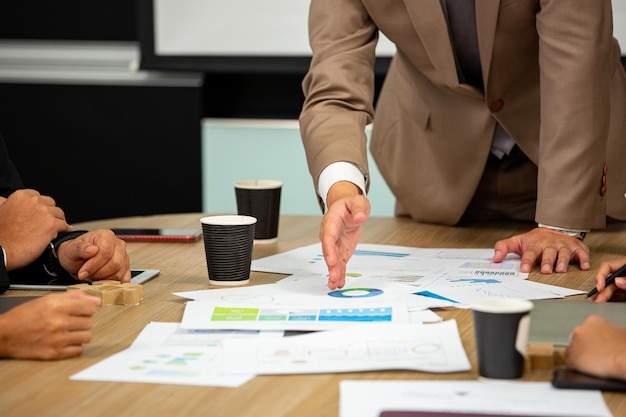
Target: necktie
pixel 462 25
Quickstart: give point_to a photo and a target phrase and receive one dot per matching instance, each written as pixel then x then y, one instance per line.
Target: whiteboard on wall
pixel 236 28
pixel 246 34
pixel 258 28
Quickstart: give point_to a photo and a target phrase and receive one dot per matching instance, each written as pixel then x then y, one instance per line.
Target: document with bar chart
pixel 305 305
pixel 398 263
pixel 439 277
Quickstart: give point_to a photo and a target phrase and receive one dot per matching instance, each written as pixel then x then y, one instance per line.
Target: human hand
pixel 28 222
pixel 54 326
pixel 615 292
pixel 545 246
pixel 94 256
pixel 341 229
pixel 597 348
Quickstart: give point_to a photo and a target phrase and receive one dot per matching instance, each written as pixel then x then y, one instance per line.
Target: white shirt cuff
pixel 562 228
pixel 339 171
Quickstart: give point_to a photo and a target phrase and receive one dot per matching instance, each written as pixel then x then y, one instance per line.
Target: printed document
pixel 517 398
pixel 366 347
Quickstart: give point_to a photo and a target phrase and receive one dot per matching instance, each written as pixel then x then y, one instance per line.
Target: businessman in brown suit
pixel 508 109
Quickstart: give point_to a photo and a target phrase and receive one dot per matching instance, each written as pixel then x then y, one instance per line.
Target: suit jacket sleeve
pixel 575 48
pixel 44 270
pixel 344 56
pixel 9 177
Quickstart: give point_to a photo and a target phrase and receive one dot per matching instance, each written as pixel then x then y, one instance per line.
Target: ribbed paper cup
pixel 228 248
pixel 260 199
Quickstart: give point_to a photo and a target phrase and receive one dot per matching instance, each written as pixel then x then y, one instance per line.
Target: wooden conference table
pixel 40 388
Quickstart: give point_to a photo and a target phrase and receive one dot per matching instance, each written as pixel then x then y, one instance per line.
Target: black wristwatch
pixel 51 260
pixel 577 235
pixel 4 276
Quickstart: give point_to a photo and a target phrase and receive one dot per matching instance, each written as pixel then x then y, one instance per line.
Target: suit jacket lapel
pixel 430 24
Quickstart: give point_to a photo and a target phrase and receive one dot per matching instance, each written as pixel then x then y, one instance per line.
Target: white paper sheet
pixel 165 354
pixel 358 291
pixel 367 347
pixel 396 263
pixel 299 305
pixel 369 398
pixel 463 292
pixel 441 277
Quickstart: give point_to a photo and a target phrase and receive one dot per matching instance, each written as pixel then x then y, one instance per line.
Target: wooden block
pixel 540 357
pixel 112 292
pixel 544 357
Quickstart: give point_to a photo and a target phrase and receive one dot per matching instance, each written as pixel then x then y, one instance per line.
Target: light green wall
pixel 243 149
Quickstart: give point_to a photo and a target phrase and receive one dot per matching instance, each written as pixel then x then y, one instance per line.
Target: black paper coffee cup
pixel 228 248
pixel 501 327
pixel 260 199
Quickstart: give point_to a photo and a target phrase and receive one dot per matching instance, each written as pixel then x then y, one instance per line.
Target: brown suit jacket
pixel 552 78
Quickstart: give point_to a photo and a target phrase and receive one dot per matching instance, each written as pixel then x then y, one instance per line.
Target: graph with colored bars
pixel 490 269
pixel 232 314
pixel 361 252
pixel 170 365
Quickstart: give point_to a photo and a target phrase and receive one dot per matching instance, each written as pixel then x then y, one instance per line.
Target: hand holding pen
pixel 606 285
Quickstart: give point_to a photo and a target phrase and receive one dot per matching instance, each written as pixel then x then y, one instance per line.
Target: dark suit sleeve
pixel 9 177
pixel 46 270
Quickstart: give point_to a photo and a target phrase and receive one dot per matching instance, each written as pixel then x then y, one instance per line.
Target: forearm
pixel 575 41
pixel 46 269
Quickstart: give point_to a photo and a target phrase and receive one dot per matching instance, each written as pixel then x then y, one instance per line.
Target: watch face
pixel 53 249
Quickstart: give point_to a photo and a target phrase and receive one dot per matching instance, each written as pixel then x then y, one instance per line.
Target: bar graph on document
pixel 395 263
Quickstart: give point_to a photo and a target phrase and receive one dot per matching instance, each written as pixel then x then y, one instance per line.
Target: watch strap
pixel 578 234
pixel 51 257
pixel 4 276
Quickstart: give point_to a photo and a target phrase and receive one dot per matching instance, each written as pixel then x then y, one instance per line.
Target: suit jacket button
pixel 603 190
pixel 497 105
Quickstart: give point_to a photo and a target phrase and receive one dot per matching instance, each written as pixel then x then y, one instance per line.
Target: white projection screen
pixel 194 33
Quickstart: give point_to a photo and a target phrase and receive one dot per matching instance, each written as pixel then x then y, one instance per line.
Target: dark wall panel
pixel 111 20
pixel 106 151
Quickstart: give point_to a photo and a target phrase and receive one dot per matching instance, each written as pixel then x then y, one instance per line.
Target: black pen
pixel 609 280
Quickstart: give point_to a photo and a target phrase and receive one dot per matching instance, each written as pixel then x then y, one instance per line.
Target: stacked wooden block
pixel 112 292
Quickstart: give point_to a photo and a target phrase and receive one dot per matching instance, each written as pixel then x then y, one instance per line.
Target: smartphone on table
pixel 157 234
pixel 567 378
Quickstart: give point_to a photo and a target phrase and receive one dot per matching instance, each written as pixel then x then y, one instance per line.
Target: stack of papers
pixel 376 322
pixel 440 277
pixel 167 354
